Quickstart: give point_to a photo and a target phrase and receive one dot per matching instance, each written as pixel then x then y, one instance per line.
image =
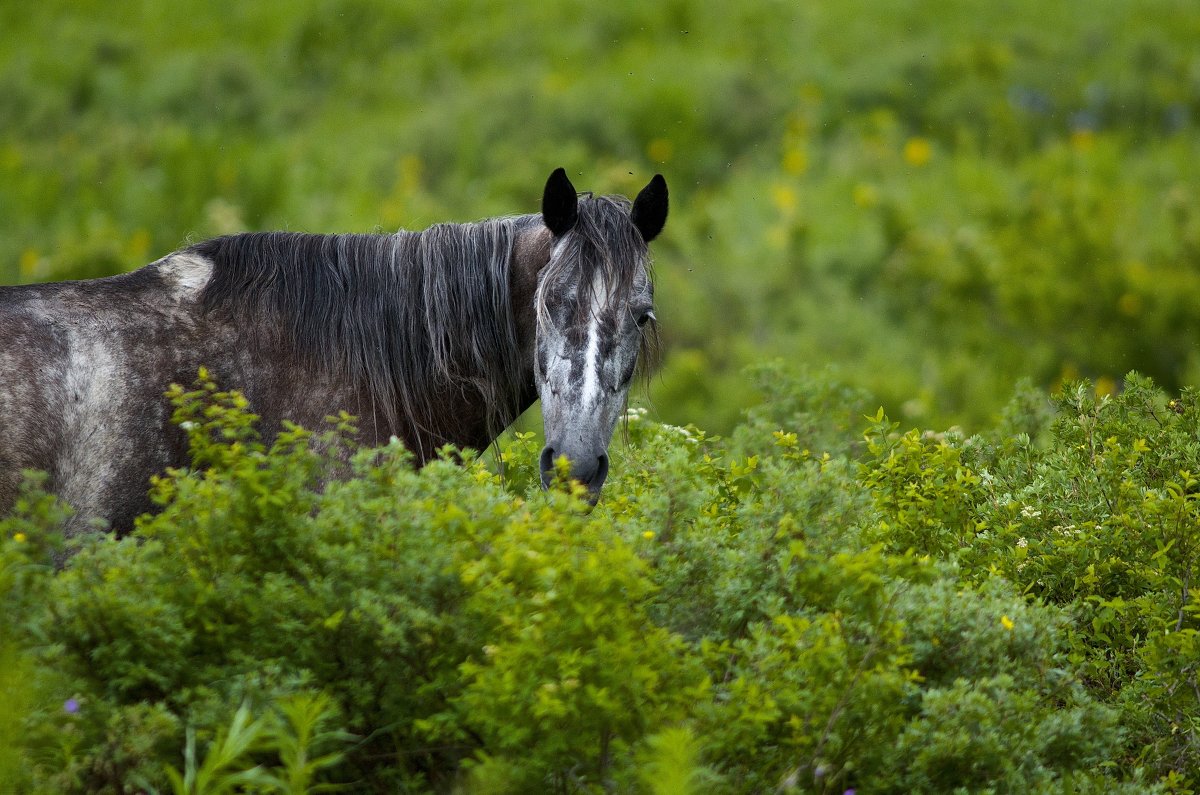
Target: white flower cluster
pixel 1068 530
pixel 684 432
pixel 635 413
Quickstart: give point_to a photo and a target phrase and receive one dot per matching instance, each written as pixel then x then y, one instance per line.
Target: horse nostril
pixel 601 471
pixel 546 465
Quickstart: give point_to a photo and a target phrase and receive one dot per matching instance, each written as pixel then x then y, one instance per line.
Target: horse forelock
pixel 412 318
pixel 603 251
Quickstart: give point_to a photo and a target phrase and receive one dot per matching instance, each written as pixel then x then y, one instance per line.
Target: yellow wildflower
pixel 648 535
pixel 918 151
pixel 28 264
pixel 19 538
pixel 139 244
pixel 1007 623
pixel 785 198
pixel 795 161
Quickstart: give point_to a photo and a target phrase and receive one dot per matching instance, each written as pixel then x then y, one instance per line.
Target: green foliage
pixel 917 613
pixel 672 765
pixel 575 671
pixel 1099 522
pixel 814 603
pixel 223 769
pixel 922 488
pixel 295 732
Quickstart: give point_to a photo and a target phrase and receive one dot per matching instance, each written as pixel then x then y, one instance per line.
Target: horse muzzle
pixel 590 470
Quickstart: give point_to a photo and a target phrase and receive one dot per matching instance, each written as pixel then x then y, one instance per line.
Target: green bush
pixel 795 608
pixel 926 203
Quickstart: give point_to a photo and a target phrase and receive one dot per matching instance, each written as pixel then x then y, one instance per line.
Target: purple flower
pixel 849 792
pixel 71 705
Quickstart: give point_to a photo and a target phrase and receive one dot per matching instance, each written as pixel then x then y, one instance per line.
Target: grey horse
pixel 439 336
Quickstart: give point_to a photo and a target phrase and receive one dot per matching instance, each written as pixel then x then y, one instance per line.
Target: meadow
pixel 936 198
pixel 851 540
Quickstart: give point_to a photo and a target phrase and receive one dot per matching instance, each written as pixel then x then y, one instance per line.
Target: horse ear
pixel 650 208
pixel 560 204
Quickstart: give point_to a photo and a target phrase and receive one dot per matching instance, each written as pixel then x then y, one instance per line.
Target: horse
pixel 434 337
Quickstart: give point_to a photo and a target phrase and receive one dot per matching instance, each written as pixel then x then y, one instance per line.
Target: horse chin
pixel 593 497
pixel 590 498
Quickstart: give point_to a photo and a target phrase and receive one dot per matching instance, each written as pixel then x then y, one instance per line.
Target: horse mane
pixel 409 317
pixel 412 317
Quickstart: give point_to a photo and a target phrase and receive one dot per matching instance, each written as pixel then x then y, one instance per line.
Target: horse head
pixel 595 319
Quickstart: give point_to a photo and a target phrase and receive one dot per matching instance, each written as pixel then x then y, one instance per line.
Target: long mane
pixel 413 318
pixel 410 317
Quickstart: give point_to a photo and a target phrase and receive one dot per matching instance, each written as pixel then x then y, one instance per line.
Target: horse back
pixel 83 369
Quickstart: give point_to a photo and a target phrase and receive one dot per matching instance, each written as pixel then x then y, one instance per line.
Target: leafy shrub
pixel 904 614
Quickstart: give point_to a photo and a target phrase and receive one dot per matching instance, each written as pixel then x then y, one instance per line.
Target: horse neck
pixel 531 245
pixel 531 252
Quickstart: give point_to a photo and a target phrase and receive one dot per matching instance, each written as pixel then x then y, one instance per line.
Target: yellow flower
pixel 917 151
pixel 785 198
pixel 555 83
pixel 1006 622
pixel 795 161
pixel 28 263
pixel 19 538
pixel 648 535
pixel 139 243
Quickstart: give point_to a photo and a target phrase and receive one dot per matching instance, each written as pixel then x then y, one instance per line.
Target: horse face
pixel 586 360
pixel 595 315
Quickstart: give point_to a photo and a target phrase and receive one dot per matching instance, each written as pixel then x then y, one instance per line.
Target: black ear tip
pixel 559 202
pixel 559 180
pixel 649 211
pixel 656 189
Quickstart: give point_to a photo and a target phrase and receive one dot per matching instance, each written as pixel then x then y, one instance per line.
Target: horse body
pixel 83 369
pixel 436 337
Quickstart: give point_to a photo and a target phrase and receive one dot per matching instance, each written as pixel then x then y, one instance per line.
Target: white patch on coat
pixel 590 393
pixel 601 295
pixel 95 395
pixel 185 273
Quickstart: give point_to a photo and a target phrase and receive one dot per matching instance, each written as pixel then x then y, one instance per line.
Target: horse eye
pixel 645 318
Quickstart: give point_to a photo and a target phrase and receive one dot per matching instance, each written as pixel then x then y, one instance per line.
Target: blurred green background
pixel 934 198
